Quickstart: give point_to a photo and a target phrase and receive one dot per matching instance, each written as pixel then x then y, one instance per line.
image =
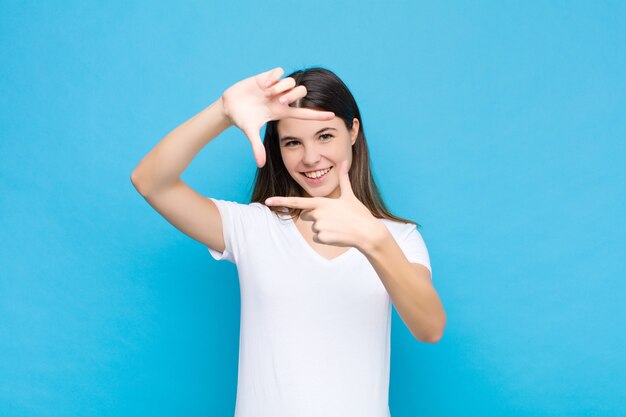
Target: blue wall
pixel 498 126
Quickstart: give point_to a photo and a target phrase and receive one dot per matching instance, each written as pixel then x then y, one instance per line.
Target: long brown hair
pixel 325 91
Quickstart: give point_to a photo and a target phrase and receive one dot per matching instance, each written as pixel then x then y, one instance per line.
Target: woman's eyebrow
pixel 284 138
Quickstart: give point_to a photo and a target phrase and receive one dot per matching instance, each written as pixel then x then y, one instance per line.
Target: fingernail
pixel 268 201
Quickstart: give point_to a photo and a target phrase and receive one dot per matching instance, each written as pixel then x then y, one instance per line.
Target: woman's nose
pixel 311 155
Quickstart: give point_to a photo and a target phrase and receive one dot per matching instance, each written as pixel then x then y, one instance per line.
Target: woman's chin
pixel 319 192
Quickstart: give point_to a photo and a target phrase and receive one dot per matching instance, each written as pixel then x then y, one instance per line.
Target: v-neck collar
pixel 312 252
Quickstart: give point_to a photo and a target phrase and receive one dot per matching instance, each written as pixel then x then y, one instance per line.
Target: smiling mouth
pixel 325 171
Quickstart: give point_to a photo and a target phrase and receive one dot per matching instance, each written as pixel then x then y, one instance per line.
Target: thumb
pixel 257 146
pixel 344 180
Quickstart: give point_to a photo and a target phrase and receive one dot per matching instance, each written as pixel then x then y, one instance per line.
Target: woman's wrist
pixel 222 111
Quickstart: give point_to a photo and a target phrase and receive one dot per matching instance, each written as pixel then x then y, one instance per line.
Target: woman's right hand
pixel 254 101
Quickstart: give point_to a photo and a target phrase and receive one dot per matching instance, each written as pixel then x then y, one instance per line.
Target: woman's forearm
pixel 164 164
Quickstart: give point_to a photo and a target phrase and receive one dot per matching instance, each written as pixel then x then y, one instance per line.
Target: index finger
pixel 309 114
pixel 293 202
pixel 274 76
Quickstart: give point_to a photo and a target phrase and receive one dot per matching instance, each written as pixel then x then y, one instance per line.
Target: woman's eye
pixel 326 137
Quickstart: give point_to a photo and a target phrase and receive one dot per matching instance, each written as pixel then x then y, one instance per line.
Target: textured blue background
pixel 498 126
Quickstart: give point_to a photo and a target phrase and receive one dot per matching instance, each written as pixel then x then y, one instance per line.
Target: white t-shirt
pixel 315 333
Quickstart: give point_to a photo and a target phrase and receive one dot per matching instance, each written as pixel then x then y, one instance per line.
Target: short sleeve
pixel 414 247
pixel 238 220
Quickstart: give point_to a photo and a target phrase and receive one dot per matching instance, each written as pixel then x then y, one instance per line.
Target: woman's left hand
pixel 342 221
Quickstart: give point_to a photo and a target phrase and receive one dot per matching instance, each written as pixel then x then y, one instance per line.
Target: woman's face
pixel 316 145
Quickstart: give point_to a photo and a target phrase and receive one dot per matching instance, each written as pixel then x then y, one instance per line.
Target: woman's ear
pixel 354 131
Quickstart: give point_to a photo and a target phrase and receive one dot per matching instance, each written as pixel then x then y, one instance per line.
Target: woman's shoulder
pixel 251 210
pixel 396 224
pixel 400 229
pixel 236 204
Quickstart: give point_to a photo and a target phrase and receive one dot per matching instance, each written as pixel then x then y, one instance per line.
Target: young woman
pixel 319 257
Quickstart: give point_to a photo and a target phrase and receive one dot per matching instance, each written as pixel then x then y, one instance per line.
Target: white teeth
pixel 316 174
